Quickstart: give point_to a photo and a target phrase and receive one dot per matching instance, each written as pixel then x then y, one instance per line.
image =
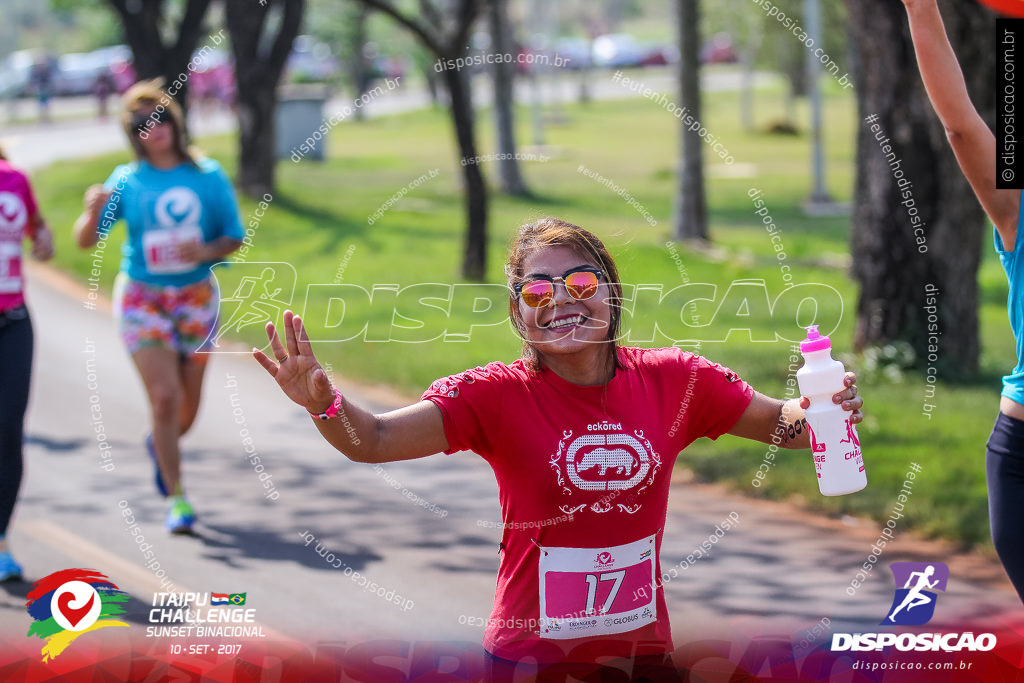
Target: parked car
pixel 719 50
pixel 16 73
pixel 77 72
pixel 660 55
pixel 617 50
pixel 578 52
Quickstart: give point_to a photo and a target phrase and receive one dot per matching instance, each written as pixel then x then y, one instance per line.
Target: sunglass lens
pixel 537 293
pixel 582 285
pixel 148 121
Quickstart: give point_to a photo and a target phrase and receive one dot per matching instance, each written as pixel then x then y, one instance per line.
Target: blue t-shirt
pixel 164 209
pixel 1013 264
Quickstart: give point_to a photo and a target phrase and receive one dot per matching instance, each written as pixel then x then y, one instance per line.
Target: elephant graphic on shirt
pixel 604 459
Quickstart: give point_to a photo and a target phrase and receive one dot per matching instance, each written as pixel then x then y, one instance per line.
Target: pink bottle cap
pixel 815 341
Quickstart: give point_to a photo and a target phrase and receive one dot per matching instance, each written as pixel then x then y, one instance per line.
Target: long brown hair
pixel 554 232
pixel 151 95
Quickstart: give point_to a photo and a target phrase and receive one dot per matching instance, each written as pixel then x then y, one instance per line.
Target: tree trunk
pixel 504 101
pixel 259 63
pixel 359 72
pixel 451 44
pixel 141 23
pixel 747 89
pixel 748 54
pixel 474 263
pixel 257 135
pixel 891 263
pixel 690 220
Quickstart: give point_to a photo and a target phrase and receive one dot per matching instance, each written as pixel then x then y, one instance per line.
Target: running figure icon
pixel 916 597
pixel 256 304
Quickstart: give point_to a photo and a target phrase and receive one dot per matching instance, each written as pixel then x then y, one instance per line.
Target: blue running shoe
pixel 158 478
pixel 180 517
pixel 9 569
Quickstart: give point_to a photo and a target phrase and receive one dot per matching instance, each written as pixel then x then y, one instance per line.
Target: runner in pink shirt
pixel 582 435
pixel 19 218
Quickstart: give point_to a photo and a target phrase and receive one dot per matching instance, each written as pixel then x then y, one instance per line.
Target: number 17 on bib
pixel 597 591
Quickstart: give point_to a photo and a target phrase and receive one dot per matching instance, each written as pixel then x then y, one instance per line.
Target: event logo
pixel 12 212
pixel 178 206
pixel 71 602
pixel 916 582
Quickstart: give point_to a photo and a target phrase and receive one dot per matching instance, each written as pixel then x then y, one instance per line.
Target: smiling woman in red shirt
pixel 581 434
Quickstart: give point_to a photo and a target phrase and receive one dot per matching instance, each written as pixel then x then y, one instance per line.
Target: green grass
pixel 320 213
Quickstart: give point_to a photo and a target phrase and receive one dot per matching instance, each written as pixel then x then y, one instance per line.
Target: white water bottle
pixel 834 444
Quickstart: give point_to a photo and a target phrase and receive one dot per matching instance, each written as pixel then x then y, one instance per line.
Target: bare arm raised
pixel 768 417
pixel 86 225
pixel 414 431
pixel 973 142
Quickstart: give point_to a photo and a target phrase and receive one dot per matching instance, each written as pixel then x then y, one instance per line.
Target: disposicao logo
pixel 919 581
pixel 71 602
pixel 913 604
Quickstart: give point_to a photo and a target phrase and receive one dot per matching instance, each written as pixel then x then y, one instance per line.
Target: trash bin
pixel 300 114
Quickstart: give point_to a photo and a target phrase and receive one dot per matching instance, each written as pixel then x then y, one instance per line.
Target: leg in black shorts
pixel 15 374
pixel 1004 469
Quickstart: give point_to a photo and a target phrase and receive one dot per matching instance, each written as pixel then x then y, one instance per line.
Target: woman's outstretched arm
pixel 772 420
pixel 414 431
pixel 973 142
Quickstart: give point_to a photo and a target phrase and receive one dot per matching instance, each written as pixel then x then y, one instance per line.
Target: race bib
pixel 10 267
pixel 162 249
pixel 597 591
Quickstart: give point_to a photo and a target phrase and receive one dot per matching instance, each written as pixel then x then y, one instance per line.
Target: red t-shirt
pixel 583 477
pixel 17 220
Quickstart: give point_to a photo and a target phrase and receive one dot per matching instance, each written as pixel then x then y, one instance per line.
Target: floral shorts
pixel 183 319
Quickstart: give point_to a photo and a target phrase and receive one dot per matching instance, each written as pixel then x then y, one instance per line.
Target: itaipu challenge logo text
pixel 181 615
pixel 69 603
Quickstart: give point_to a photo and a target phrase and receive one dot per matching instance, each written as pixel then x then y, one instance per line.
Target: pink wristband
pixel 331 411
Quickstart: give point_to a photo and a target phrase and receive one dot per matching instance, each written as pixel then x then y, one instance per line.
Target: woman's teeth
pixel 566 322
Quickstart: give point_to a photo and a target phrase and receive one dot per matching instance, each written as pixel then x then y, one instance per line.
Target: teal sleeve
pixel 228 219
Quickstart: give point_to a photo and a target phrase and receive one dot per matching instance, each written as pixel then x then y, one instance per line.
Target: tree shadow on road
pixel 236 546
pixel 68 446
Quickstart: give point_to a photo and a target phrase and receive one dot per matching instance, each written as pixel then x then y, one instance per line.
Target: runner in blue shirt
pixel 975 149
pixel 182 218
